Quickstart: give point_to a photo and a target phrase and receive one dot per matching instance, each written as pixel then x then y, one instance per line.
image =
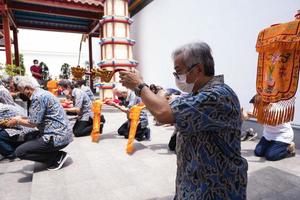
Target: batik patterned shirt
pixel 5 96
pixel 83 102
pixel 46 112
pixel 88 91
pixel 9 111
pixel 209 162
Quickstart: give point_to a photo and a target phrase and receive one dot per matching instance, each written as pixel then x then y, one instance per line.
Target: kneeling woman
pixel 82 107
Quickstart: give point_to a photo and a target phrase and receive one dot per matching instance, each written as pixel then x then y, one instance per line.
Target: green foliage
pixel 17 70
pixel 13 70
pixel 45 71
pixel 65 71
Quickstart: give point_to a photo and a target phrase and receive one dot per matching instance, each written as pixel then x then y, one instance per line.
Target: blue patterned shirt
pixel 5 96
pixel 9 111
pixel 209 162
pixel 88 91
pixel 46 112
pixel 83 102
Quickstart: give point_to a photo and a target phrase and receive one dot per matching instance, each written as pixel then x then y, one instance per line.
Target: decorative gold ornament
pixel 105 75
pixel 78 73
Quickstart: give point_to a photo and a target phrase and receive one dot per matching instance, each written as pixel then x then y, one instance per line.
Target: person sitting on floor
pixel 45 113
pixel 5 96
pixel 276 142
pixel 82 107
pixel 12 137
pixel 82 85
pixel 121 93
pixel 143 132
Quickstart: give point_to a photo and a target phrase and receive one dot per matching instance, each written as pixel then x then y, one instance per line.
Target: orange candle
pixel 97 106
pixel 134 117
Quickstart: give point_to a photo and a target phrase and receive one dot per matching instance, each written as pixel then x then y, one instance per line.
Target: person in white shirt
pixel 276 142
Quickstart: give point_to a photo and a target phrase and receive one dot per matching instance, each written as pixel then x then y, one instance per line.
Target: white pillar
pixel 116 45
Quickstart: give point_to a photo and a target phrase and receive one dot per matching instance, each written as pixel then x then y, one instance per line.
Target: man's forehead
pixel 178 63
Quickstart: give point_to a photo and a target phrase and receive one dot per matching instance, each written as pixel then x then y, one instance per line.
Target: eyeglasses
pixel 176 75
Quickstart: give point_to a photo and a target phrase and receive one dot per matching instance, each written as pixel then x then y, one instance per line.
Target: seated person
pixel 82 107
pixel 47 115
pixel 121 93
pixel 5 96
pixel 12 137
pixel 276 142
pixel 81 84
pixel 143 132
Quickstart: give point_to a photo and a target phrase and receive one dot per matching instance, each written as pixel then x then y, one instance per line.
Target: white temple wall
pixel 230 27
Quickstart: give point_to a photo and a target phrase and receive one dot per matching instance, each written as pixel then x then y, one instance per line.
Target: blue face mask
pixel 183 85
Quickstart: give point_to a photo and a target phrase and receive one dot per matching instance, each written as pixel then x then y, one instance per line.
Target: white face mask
pixel 66 92
pixel 183 85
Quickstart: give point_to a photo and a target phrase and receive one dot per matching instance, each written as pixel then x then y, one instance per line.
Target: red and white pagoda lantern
pixel 116 45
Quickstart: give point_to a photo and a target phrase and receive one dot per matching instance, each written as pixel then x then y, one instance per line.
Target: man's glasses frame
pixel 188 71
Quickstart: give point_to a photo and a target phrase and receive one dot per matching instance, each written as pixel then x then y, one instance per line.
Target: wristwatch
pixel 139 88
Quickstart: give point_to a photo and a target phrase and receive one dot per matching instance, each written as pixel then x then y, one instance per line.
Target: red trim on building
pixel 104 21
pixel 117 42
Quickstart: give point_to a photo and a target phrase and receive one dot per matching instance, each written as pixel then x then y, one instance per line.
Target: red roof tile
pixel 87 2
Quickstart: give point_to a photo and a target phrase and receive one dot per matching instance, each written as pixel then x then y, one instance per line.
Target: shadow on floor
pixel 271 183
pixel 158 147
pixel 27 171
pixel 250 153
pixel 41 166
pixel 25 179
pixel 169 197
pixel 111 135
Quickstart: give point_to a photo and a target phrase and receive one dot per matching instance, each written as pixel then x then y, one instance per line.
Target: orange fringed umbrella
pixel 277 72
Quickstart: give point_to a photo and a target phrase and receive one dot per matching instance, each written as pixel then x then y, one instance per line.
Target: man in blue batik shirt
pixel 208 120
pixel 11 137
pixel 82 107
pixel 5 96
pixel 45 113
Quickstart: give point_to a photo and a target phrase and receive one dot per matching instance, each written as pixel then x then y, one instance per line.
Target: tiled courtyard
pixel 103 171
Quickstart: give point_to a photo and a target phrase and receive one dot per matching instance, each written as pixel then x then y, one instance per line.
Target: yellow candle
pixel 134 117
pixel 97 106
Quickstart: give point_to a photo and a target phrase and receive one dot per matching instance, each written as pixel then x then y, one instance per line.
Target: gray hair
pixel 17 79
pixel 26 82
pixel 6 78
pixel 120 88
pixel 197 52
